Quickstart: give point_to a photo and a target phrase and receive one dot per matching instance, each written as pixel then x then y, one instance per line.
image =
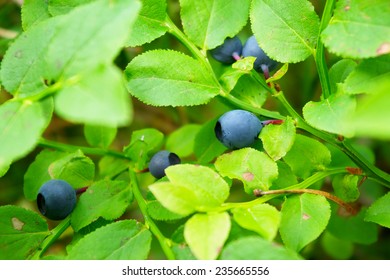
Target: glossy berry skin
pixel 229 51
pixel 56 199
pixel 238 129
pixel 252 48
pixel 160 161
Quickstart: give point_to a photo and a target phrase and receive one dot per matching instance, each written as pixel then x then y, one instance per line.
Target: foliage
pixel 308 184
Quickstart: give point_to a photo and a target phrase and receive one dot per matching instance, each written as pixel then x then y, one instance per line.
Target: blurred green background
pixel 300 85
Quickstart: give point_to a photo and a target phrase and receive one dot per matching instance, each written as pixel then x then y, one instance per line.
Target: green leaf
pixel 160 213
pixel 331 114
pixel 107 199
pixel 33 12
pixel 23 65
pixel 143 145
pixel 371 116
pixel 38 172
pixel 99 135
pixel 278 74
pixel 286 30
pixel 247 89
pixel 206 234
pixel 60 7
pixel 182 140
pixel 346 187
pixel 256 248
pixel 286 177
pixel 169 78
pixel 150 23
pixel 75 168
pixel 307 155
pixel 353 228
pixel 278 139
pixel 202 20
pixel 338 249
pixel 304 218
pixel 4 167
pixel 123 240
pixel 61 47
pixel 21 232
pixel 110 167
pixel 255 169
pixel 231 76
pixel 177 199
pixel 359 29
pixel 379 211
pixel 339 72
pixel 80 40
pixel 262 218
pixel 21 126
pixel 99 98
pixel 373 72
pixel 207 147
pixel 190 188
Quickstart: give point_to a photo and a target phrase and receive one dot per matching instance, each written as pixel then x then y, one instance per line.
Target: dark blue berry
pixel 160 161
pixel 237 129
pixel 56 199
pixel 229 51
pixel 262 63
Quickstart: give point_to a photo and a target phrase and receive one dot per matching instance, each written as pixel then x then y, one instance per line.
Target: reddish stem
pixel 267 122
pixel 236 56
pixel 81 190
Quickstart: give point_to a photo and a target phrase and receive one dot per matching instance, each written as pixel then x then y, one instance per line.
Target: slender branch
pixel 302 185
pixel 54 235
pixel 165 243
pixel 320 51
pixel 87 150
pixel 329 196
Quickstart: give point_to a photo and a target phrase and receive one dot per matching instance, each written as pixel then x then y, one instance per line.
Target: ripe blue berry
pixel 229 51
pixel 160 161
pixel 237 129
pixel 56 199
pixel 262 63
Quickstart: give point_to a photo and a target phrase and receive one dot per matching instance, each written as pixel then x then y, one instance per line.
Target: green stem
pixel 320 51
pixel 165 243
pixel 87 150
pixel 370 170
pixel 54 235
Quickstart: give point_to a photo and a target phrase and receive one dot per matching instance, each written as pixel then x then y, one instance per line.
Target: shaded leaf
pixel 99 136
pixel 257 248
pixel 307 155
pixel 123 240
